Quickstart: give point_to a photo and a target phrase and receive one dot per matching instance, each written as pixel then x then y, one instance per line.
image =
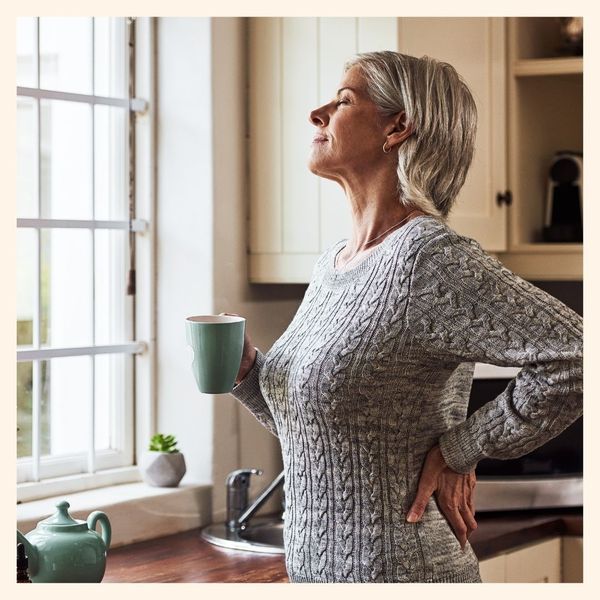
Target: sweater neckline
pixel 332 275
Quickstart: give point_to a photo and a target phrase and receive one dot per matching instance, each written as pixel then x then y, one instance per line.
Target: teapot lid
pixel 61 519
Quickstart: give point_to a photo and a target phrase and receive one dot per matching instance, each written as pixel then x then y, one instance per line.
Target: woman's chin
pixel 318 167
pixel 314 167
pixel 314 170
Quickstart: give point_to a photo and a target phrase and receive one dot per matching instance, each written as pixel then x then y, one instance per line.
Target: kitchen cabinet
pixel 295 65
pixel 554 560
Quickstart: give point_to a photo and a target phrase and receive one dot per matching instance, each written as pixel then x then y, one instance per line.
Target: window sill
pixel 136 511
pixel 72 484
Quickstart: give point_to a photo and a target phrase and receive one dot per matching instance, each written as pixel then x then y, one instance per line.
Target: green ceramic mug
pixel 218 343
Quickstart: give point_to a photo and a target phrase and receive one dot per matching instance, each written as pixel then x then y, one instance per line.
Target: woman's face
pixel 349 132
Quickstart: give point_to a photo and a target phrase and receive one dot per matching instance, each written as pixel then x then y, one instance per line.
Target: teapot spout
pixel 30 551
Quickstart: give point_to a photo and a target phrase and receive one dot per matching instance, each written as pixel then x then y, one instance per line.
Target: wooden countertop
pixel 185 557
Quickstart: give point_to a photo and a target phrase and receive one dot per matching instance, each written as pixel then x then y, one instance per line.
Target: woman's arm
pixel 464 305
pixel 248 392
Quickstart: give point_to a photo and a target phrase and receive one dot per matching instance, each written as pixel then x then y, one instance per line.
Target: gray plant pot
pixel 163 469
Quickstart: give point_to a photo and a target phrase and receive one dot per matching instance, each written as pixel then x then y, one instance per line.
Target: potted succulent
pixel 162 464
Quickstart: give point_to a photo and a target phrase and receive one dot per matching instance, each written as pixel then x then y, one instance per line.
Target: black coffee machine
pixel 564 199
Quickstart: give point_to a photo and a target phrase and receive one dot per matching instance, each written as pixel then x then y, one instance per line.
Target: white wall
pixel 239 440
pixel 202 246
pixel 184 253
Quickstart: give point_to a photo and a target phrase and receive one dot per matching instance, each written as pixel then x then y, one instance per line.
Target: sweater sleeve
pixel 248 392
pixel 465 306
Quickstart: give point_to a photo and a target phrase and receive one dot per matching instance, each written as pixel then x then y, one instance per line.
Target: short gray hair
pixel 433 161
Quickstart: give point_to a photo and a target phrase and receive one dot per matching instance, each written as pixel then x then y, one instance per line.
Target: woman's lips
pixel 319 139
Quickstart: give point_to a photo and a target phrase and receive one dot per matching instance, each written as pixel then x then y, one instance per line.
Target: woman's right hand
pixel 453 492
pixel 248 353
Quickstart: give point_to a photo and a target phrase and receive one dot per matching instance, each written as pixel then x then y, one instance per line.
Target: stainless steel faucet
pixel 238 511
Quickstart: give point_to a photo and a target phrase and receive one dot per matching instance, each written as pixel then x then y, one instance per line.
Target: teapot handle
pixel 106 531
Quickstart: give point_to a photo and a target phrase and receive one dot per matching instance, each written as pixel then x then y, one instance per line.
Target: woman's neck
pixel 372 226
pixel 375 207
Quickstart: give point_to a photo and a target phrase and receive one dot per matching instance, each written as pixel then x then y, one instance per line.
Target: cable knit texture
pixel 376 368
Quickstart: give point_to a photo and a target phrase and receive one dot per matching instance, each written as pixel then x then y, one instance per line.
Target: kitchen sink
pixel 267 534
pixel 263 534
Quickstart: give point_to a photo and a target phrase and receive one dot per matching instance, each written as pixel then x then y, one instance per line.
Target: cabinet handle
pixel 505 198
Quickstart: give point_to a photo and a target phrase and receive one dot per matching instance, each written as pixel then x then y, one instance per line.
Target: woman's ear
pixel 399 130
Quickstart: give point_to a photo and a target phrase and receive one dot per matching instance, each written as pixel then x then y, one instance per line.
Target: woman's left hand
pixel 453 491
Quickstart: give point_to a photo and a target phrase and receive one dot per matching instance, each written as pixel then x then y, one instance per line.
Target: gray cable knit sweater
pixel 376 368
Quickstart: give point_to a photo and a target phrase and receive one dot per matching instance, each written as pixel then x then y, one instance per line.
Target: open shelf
pixel 532 67
pixel 545 248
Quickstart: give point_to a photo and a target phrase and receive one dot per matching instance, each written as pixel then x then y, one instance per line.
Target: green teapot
pixel 65 550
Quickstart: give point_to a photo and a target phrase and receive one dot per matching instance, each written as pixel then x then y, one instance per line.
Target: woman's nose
pixel 317 117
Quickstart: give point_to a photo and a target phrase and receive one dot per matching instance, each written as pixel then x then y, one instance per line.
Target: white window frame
pixel 46 476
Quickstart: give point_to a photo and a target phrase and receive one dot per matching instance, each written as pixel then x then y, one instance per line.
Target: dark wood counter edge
pixel 185 557
pixel 493 538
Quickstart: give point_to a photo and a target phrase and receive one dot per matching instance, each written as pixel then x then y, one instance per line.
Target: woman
pixel 367 390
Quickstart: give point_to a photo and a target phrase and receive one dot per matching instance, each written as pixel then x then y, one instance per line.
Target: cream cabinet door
pixel 475 47
pixel 493 570
pixel 538 563
pixel 295 64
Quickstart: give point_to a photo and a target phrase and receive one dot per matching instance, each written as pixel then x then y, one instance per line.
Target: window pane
pixel 111 162
pixel 26 75
pixel 24 386
pixel 66 54
pixel 67 400
pixel 113 307
pixel 66 138
pixel 26 158
pixel 26 274
pixel 113 393
pixel 66 264
pixel 111 57
pixel 24 409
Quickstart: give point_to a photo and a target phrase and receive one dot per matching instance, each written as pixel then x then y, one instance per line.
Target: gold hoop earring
pixel 384 150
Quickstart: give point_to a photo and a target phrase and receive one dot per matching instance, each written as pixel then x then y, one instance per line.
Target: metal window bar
pixel 131 146
pixel 133 105
pixel 138 105
pixel 47 353
pixel 137 225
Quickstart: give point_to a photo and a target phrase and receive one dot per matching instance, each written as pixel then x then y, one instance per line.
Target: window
pixel 76 338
